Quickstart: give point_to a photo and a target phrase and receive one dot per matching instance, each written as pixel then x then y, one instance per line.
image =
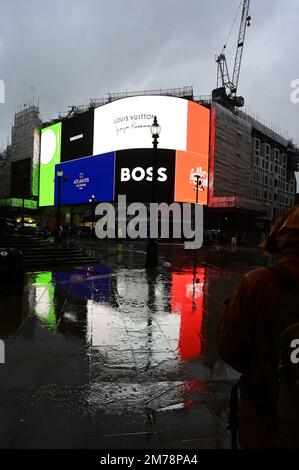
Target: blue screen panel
pixel 85 177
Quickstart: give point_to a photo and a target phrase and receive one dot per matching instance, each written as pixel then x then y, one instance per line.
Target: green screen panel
pixel 50 156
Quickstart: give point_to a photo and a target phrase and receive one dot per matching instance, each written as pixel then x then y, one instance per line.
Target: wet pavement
pixel 112 356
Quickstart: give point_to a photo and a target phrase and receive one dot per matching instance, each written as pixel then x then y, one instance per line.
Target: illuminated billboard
pixel 49 157
pixel 134 174
pixel 122 128
pixel 188 165
pixel 85 177
pixel 77 136
pixel 125 124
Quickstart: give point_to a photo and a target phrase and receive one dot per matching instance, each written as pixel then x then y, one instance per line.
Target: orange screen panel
pixel 187 165
pixel 198 129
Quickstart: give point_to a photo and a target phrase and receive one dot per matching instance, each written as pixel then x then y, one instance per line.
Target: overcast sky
pixel 64 52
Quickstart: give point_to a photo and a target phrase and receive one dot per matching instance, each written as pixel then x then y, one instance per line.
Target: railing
pixel 183 92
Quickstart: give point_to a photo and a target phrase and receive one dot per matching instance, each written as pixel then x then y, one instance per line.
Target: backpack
pixel 283 368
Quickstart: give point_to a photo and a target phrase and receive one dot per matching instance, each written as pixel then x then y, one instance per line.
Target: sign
pixel 134 175
pixel 125 124
pixel 50 156
pixel 122 128
pixel 85 177
pixel 77 136
pixel 188 166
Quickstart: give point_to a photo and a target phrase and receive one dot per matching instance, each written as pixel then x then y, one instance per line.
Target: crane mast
pixel 227 87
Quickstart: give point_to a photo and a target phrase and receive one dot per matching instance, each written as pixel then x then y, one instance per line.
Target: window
pixel 267 150
pixel 257 146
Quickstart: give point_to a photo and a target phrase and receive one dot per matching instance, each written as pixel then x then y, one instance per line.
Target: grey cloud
pixel 65 52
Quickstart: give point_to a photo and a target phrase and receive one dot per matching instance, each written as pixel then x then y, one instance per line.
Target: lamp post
pixel 92 200
pixel 23 211
pixel 152 246
pixel 59 175
pixel 198 185
pixel 198 182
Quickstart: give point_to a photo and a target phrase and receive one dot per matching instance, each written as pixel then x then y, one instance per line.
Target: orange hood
pixel 287 238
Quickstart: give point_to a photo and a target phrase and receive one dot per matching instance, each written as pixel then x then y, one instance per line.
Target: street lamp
pixel 23 211
pixel 155 131
pixel 198 187
pixel 198 182
pixel 59 175
pixel 92 200
pixel 152 246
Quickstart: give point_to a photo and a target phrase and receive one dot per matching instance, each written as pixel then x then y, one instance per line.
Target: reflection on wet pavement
pixel 111 356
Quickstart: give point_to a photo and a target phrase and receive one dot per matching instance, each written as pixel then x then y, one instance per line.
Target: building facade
pixel 20 167
pixel 23 154
pixel 252 173
pixel 251 167
pixel 5 175
pixel 273 179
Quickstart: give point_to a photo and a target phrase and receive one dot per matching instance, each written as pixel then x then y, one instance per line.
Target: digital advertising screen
pixel 134 175
pixel 122 128
pixel 77 136
pixel 125 124
pixel 49 157
pixel 188 166
pixel 85 177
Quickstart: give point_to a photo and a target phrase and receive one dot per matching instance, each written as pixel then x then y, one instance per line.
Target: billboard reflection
pixel 169 316
pixel 187 300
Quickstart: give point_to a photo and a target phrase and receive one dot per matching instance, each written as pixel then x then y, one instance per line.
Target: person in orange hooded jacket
pixel 242 338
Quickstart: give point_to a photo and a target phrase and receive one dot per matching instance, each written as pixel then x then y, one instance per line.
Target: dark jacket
pixel 242 338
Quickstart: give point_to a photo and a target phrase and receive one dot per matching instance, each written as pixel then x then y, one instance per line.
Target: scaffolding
pixel 185 92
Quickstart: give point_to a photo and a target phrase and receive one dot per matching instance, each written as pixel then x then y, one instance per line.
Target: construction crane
pixel 227 87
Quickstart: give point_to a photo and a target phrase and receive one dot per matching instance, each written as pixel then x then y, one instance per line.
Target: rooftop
pixel 186 92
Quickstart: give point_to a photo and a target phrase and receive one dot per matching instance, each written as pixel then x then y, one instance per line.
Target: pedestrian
pixel 233 241
pixel 251 338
